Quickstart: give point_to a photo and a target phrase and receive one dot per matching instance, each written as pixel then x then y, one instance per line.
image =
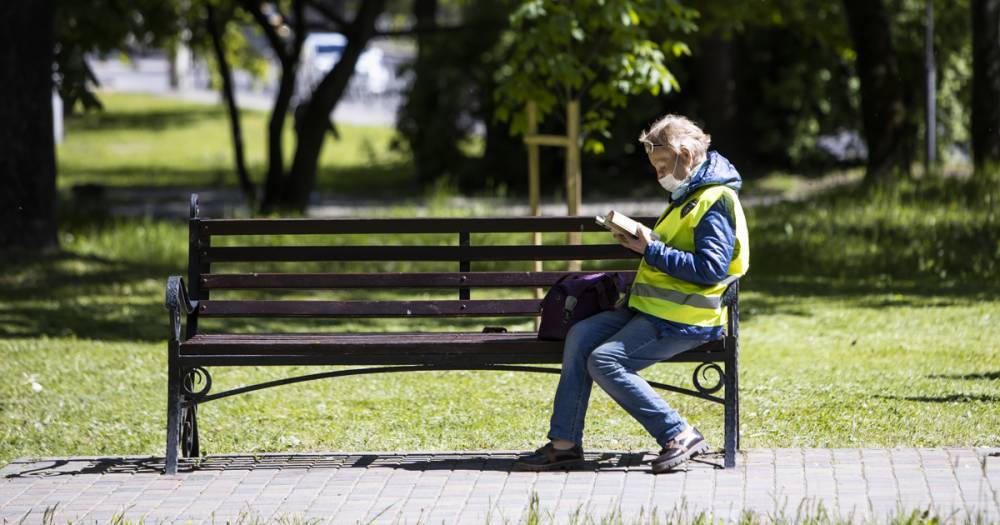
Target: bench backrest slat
pixel 449 308
pixel 332 281
pixel 417 253
pixel 410 225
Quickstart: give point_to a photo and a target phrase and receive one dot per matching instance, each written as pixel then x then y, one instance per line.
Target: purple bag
pixel 577 297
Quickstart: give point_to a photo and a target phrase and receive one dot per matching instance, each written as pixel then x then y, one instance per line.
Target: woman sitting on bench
pixel 674 305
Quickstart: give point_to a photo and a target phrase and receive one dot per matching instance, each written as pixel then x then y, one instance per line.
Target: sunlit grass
pixel 146 141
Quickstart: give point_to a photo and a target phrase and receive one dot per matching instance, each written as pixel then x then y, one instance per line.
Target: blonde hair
pixel 678 133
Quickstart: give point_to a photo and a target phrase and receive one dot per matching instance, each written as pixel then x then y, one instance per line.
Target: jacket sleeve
pixel 714 241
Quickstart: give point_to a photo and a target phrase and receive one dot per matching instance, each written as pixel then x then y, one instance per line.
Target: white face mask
pixel 669 182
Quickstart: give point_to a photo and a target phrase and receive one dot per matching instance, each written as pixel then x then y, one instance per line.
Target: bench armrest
pixel 177 301
pixel 731 301
pixel 731 296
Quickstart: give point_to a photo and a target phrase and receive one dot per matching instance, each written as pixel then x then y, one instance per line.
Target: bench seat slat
pixel 210 227
pixel 417 253
pixel 409 347
pixel 334 309
pixel 470 360
pixel 311 281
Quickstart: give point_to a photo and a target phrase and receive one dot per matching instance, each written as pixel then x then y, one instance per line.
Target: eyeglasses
pixel 649 146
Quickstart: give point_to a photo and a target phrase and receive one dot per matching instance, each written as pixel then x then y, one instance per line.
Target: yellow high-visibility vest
pixel 673 299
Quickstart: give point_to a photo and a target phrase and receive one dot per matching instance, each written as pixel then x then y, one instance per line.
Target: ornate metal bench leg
pixel 195 384
pixel 189 432
pixel 736 390
pixel 731 412
pixel 173 417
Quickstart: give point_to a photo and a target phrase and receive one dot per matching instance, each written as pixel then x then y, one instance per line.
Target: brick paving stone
pixel 451 488
pixel 845 455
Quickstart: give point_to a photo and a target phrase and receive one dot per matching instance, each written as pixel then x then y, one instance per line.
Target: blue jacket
pixel 714 240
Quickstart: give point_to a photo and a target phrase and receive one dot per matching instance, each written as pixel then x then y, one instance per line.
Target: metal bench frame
pixel 190 353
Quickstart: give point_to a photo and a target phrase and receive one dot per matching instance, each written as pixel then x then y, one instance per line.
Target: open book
pixel 619 222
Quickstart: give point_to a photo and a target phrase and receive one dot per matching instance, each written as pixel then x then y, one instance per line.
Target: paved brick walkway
pixel 472 487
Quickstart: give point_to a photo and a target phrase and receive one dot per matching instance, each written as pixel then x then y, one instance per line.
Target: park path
pixel 481 487
pixel 172 203
pixel 226 203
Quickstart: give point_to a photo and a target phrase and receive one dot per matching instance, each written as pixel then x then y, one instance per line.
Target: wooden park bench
pixel 224 256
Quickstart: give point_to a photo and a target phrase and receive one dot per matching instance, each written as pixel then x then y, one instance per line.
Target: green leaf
pixel 633 16
pixel 593 146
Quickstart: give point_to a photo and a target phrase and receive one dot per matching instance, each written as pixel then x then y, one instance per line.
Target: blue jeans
pixel 610 348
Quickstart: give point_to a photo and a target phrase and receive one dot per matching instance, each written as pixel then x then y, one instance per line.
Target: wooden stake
pixel 574 193
pixel 534 183
pixel 573 183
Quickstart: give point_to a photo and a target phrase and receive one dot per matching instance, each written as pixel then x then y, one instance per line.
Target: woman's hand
pixel 636 244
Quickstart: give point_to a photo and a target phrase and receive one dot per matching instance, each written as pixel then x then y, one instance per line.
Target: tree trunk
pixel 882 104
pixel 173 79
pixel 425 11
pixel 229 94
pixel 27 147
pixel 288 57
pixel 717 92
pixel 275 180
pixel 986 82
pixel 316 118
pixel 930 92
pixel 427 119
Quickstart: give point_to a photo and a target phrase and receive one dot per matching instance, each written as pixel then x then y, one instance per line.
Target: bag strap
pixel 607 296
pixel 564 277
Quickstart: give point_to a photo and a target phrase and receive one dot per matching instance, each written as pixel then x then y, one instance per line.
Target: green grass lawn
pixel 147 141
pixel 868 321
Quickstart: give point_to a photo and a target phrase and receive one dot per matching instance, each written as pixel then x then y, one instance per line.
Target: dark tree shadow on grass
pixel 381 181
pixel 988 376
pixel 138 179
pixel 112 120
pixel 764 294
pixel 43 296
pixel 950 398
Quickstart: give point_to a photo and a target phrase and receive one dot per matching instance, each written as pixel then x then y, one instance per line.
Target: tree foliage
pixel 796 75
pixel 106 26
pixel 883 104
pixel 793 77
pixel 238 34
pixel 451 95
pixel 598 51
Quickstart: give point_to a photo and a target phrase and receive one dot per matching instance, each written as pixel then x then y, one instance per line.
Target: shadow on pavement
pixel 424 461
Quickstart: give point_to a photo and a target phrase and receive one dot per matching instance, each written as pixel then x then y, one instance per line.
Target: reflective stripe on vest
pixel 691 299
pixel 667 297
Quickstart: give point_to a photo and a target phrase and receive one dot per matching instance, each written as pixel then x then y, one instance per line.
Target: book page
pixel 610 225
pixel 616 221
pixel 625 223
